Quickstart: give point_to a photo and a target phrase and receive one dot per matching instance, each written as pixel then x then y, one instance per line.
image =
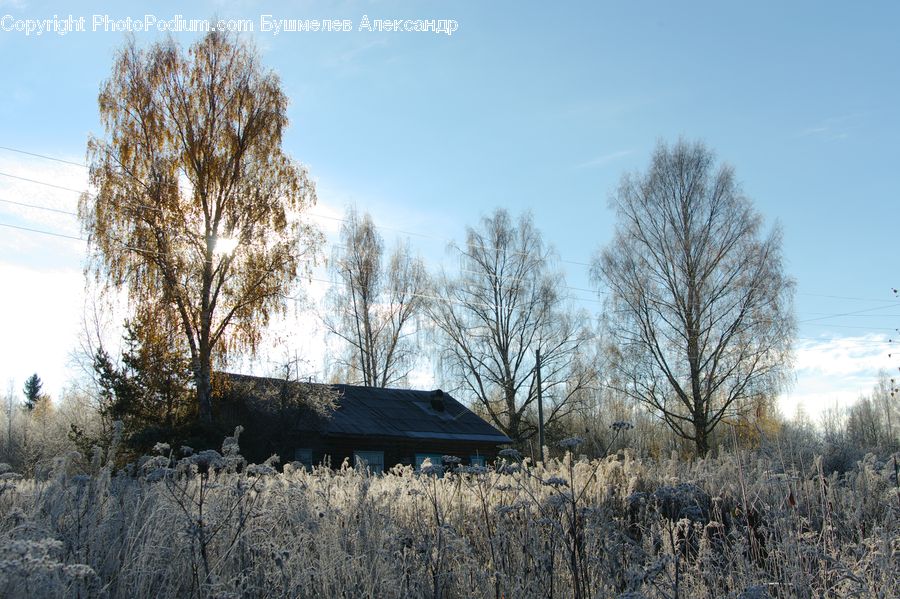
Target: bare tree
pixel 504 305
pixel 701 310
pixel 198 209
pixel 373 304
pixel 870 419
pixel 10 400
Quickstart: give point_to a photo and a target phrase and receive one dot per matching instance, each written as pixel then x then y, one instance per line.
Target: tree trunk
pixel 701 434
pixel 202 378
pixel 204 394
pixel 515 417
pixel 204 386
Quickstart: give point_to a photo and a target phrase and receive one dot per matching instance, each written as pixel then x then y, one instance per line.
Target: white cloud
pixel 604 159
pixel 327 215
pixel 40 309
pixel 14 4
pixel 834 128
pixel 834 370
pixel 31 197
pixel 40 312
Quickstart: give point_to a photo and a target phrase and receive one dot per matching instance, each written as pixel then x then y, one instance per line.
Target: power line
pixel 42 232
pixel 43 183
pixel 312 214
pixel 39 207
pixel 450 301
pixel 30 230
pixel 8 149
pixel 849 341
pixel 405 232
pixel 846 314
pixel 848 326
pixel 860 315
pixel 335 218
pixel 848 297
pixel 570 297
pixel 412 233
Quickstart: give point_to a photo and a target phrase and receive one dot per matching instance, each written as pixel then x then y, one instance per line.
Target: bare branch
pixel 701 309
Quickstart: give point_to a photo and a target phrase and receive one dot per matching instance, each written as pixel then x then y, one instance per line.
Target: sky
pixel 526 106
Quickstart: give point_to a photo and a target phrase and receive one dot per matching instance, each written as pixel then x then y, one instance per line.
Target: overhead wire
pixel 328 217
pixel 809 322
pixel 383 227
pixel 42 183
pixel 48 208
pixel 42 232
pixel 36 155
pixel 888 302
pixel 448 300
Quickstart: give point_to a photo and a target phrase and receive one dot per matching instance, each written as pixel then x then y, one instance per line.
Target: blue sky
pixel 527 106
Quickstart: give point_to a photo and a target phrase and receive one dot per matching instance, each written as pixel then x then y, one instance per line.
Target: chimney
pixel 437 400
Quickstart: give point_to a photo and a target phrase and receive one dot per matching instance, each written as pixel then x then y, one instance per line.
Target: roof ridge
pixel 320 384
pixel 404 413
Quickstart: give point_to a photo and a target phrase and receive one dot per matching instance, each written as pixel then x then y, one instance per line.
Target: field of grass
pixel 209 525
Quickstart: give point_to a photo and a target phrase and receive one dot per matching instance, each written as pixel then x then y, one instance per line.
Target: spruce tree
pixel 32 391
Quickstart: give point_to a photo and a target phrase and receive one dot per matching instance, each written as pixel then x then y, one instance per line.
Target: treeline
pixel 201 219
pixel 32 439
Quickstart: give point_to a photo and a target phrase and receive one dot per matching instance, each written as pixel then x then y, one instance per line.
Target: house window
pixel 304 456
pixel 371 460
pixel 476 460
pixel 436 459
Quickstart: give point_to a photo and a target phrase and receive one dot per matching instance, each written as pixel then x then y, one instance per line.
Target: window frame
pixel 437 459
pixel 362 459
pixel 300 454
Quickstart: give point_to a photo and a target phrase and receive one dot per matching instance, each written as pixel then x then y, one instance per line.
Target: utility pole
pixel 540 399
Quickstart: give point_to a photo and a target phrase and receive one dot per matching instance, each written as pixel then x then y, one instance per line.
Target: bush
pixel 206 524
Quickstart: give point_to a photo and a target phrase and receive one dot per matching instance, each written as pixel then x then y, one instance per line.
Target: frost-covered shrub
pixel 32 567
pixel 206 524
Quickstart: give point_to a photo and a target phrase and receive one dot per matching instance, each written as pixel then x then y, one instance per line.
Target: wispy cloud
pixel 606 109
pixel 843 355
pixel 14 4
pixel 31 197
pixel 833 128
pixel 352 59
pixel 327 215
pixel 604 159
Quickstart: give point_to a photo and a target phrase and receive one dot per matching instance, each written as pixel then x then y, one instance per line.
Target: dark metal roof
pixel 403 413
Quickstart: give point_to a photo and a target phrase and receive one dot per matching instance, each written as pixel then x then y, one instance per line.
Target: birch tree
pixel 700 306
pixel 197 208
pixel 506 303
pixel 373 304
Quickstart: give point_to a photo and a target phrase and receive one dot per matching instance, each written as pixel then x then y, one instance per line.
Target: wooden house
pixel 368 426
